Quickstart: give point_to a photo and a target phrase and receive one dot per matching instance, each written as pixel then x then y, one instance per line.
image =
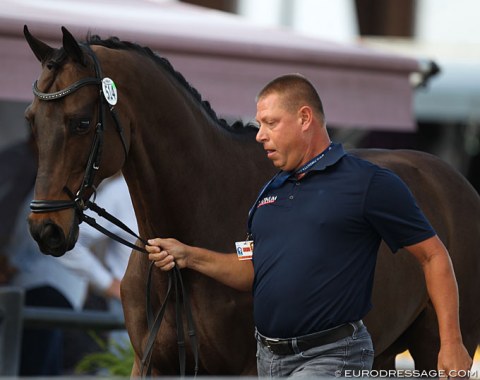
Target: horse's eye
pixel 79 126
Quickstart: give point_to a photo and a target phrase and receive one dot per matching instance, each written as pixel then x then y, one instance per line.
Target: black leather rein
pixel 80 204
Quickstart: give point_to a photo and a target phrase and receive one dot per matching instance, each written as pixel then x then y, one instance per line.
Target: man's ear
pixel 306 116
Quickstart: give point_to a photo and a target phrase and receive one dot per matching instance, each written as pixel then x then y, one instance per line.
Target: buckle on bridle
pixel 81 204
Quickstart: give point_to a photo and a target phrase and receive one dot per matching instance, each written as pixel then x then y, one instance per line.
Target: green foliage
pixel 114 359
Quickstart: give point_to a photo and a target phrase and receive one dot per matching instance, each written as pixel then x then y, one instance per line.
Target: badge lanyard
pixel 278 181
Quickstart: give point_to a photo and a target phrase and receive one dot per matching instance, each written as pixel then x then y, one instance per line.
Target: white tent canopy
pixel 224 57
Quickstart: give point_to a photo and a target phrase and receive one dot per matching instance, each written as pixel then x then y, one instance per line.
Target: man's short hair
pixel 296 91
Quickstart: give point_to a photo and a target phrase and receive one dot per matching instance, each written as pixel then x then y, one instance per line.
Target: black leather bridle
pixel 80 204
pixel 93 164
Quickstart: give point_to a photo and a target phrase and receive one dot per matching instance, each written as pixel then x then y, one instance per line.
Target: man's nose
pixel 261 135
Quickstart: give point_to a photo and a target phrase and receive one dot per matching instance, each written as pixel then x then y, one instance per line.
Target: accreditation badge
pixel 244 249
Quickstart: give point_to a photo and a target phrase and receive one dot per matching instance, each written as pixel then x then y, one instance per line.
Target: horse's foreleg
pixel 136 368
pixel 384 361
pixel 424 340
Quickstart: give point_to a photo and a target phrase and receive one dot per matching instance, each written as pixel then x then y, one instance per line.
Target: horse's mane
pixel 116 43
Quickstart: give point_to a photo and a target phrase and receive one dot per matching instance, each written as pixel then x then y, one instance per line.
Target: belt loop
pixel 295 346
pixel 257 335
pixel 356 326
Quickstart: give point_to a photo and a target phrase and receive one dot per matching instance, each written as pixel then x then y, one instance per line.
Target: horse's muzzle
pixel 51 238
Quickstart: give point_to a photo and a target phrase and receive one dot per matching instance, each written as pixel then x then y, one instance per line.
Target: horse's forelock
pixel 57 59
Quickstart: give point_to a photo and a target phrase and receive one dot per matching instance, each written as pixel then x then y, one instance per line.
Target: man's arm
pixel 443 291
pixel 223 267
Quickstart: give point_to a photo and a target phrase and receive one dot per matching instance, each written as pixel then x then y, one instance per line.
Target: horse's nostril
pixel 52 235
pixel 50 238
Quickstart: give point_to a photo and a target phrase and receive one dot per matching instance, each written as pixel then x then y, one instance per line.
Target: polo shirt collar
pixel 331 158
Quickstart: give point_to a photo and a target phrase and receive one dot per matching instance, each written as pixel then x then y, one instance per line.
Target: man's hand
pixel 166 253
pixel 454 360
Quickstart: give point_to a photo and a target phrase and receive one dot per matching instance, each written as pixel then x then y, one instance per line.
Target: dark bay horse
pixel 193 177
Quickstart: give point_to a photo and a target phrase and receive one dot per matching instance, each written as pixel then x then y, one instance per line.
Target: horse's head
pixel 75 135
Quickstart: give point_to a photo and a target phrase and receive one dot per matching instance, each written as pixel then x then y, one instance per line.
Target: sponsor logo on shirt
pixel 267 201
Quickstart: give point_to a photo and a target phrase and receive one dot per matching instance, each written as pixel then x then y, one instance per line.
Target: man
pixel 316 229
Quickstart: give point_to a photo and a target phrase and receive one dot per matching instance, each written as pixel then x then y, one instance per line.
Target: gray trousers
pixel 354 353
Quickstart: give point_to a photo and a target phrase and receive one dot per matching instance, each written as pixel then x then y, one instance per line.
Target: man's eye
pixel 80 126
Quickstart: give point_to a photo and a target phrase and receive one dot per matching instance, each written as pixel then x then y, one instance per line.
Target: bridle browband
pixel 67 91
pixel 80 204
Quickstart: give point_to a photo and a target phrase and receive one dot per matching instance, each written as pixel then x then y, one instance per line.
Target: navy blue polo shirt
pixel 316 242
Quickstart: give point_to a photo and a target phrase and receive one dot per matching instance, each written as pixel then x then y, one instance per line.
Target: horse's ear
pixel 41 50
pixel 71 46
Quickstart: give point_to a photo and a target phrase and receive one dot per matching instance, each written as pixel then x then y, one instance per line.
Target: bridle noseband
pixel 80 204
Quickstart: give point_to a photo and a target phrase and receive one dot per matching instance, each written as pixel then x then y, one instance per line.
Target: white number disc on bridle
pixel 109 91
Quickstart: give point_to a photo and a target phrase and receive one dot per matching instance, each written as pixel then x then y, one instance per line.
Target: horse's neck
pixel 182 169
